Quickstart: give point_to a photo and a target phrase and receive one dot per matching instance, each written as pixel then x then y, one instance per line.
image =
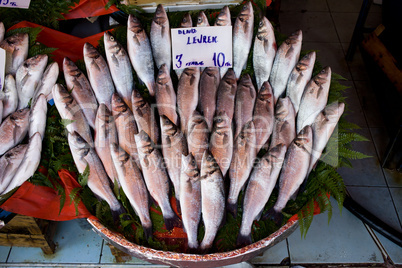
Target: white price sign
pixel 2 67
pixel 202 47
pixel 15 3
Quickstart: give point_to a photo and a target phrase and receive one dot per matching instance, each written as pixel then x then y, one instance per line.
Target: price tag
pixel 202 47
pixel 2 67
pixel 15 3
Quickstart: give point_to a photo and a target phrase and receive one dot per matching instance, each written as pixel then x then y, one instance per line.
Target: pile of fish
pixel 23 110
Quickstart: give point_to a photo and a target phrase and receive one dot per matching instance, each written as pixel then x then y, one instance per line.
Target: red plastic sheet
pixel 90 8
pixel 44 202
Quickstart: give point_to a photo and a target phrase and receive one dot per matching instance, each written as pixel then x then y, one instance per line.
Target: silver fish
pixel 98 75
pixel 221 142
pixel 314 98
pixel 294 171
pixel 156 177
pixel 160 38
pixel 126 127
pixel 225 96
pixel 202 20
pixel 47 82
pixel 190 196
pixel 105 135
pixel 285 60
pixel 323 127
pixel 133 184
pixel 98 181
pixel 209 83
pixel 140 52
pixel 299 78
pixel 284 128
pixel 28 77
pixel 187 95
pixel 244 105
pixel 263 116
pixel 223 19
pixel 9 164
pixel 259 188
pixel 212 199
pixel 71 113
pixel 37 117
pixel 10 98
pixel 186 22
pixel 198 136
pixel 242 37
pixel 264 51
pixel 81 90
pixel 165 95
pixel 16 47
pixel 120 67
pixel 29 163
pixel 174 145
pixel 244 154
pixel 144 115
pixel 75 148
pixel 13 129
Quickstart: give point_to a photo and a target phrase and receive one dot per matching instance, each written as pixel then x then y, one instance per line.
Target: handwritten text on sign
pixel 15 3
pixel 202 47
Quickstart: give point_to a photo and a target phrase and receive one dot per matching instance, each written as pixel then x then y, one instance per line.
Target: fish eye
pixel 199 19
pixel 261 23
pixel 184 20
pixel 111 38
pixel 219 120
pixel 209 157
pixel 193 162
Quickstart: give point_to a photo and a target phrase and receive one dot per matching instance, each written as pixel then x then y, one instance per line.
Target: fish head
pixel 323 77
pixel 189 166
pixel 265 30
pixel 212 72
pixel 62 95
pixel 144 142
pixel 245 81
pixel 160 16
pixel 168 127
pixel 134 24
pixel 223 19
pixel 265 93
pixel 17 153
pixel 70 68
pixel 40 104
pixel 294 38
pixel 137 99
pixel 20 117
pixel 208 165
pixel 333 112
pixel 163 75
pixel 306 61
pixel 119 156
pixel 304 139
pixel 246 12
pixel 283 108
pixel 79 145
pixel 276 155
pixel 111 43
pixel 15 42
pixel 52 70
pixel 222 123
pixel 247 132
pixel 202 20
pixel 118 105
pixel 90 51
pixel 230 77
pixel 186 22
pixel 103 114
pixel 197 121
pixel 36 63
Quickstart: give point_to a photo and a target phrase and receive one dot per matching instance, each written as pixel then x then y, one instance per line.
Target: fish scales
pixel 226 94
pixel 209 83
pixel 14 129
pixel 165 95
pixel 198 136
pixel 285 127
pixel 244 103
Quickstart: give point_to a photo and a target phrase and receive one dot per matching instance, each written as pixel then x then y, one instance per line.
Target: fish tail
pixel 243 240
pixel 147 232
pixel 274 216
pixel 232 209
pixel 117 212
pixel 172 221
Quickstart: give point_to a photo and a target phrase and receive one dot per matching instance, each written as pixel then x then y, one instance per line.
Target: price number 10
pixel 219 60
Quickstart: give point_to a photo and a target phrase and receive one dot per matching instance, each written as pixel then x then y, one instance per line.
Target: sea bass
pixel 212 199
pixel 190 196
pixel 244 105
pixel 323 127
pixel 133 184
pixel 294 171
pixel 13 129
pixel 120 67
pixel 140 53
pixel 10 96
pixel 299 78
pixel 71 113
pixel 209 83
pixel 187 95
pixel 221 142
pixel 263 116
pixel 242 38
pixel 202 20
pixel 98 75
pixel 225 96
pixel 29 163
pixel 81 90
pixel 160 38
pixel 144 115
pixel 198 135
pixel 28 77
pixel 48 81
pixel 105 135
pixel 156 177
pixel 285 60
pixel 165 95
pixel 16 47
pixel 98 181
pixel 223 19
pixel 126 127
pixel 284 128
pixel 37 116
pixel 264 51
pixel 174 145
pixel 259 188
pixel 9 164
pixel 314 98
pixel 186 22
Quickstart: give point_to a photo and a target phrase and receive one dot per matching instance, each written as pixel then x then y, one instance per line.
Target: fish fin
pixel 172 221
pixel 258 217
pixel 232 209
pixel 243 240
pixel 302 186
pixel 273 215
pixel 147 232
pixel 116 213
pixel 178 206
